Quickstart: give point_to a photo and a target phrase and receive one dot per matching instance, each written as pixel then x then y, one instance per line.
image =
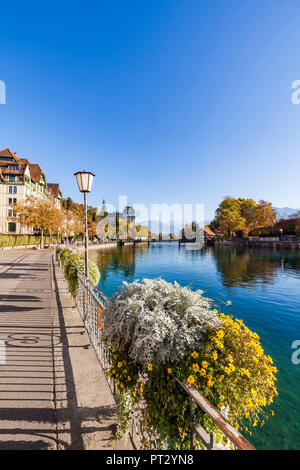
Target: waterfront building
pixel 20 179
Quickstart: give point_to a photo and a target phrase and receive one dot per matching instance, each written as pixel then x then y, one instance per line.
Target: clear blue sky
pixel 174 101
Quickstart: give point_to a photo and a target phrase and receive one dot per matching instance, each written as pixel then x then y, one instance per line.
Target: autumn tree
pixel 248 211
pixel 228 216
pixel 40 215
pixel 233 213
pixel 265 214
pixel 72 224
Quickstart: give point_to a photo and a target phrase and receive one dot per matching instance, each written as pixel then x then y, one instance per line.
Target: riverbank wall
pixel 291 245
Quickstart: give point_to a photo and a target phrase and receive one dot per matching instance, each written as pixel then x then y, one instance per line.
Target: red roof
pixel 35 171
pixel 9 154
pixel 54 188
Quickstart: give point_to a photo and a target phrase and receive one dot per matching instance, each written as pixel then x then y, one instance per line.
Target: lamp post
pixel 85 181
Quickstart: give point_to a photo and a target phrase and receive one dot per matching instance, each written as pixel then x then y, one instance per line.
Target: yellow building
pixel 20 179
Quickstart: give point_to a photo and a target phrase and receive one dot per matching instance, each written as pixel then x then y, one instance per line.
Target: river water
pixel 264 287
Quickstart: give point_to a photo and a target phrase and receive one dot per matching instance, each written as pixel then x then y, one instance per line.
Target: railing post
pixel 192 417
pixel 212 440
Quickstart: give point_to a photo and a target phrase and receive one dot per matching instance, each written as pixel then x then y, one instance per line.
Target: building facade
pixel 20 179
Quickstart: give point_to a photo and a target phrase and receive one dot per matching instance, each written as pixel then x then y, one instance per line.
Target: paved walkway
pixel 53 393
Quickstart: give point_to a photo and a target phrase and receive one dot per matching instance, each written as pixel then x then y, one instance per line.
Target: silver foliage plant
pixel 157 321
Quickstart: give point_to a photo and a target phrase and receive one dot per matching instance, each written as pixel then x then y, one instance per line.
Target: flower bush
pixel 233 372
pixel 73 263
pixel 157 331
pixel 157 321
pixel 63 252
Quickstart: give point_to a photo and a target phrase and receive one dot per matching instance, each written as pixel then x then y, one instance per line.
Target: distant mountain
pixel 286 213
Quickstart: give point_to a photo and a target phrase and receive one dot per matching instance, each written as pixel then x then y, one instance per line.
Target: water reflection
pixel 238 267
pixel 118 260
pixel 247 268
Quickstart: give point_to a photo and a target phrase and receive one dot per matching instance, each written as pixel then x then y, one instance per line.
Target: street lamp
pixel 281 230
pixel 85 181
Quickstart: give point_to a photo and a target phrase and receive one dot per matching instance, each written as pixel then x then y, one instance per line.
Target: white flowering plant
pixel 156 321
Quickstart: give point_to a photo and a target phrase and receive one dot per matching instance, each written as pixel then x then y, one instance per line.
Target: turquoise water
pixel 264 287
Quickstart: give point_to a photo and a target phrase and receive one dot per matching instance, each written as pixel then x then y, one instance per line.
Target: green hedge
pixel 72 262
pixel 17 240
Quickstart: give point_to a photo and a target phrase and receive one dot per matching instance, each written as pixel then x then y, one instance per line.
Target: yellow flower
pixel 215 310
pixel 129 378
pixel 221 378
pixel 245 372
pixel 196 367
pixel 215 355
pixel 191 380
pixel 119 364
pixel 204 364
pixel 149 366
pixel 169 371
pixel 194 355
pixel 211 381
pixel 220 334
pixel 202 372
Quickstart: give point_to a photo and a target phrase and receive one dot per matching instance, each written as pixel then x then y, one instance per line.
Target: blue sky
pixel 166 101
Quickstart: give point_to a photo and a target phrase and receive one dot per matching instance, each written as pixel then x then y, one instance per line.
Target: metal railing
pixel 90 302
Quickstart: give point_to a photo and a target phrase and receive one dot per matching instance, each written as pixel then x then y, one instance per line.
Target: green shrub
pixel 73 263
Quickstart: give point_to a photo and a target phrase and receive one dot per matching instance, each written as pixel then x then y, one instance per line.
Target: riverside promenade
pixel 53 392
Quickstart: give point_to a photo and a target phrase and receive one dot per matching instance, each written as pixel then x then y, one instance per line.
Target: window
pixel 11 227
pixel 9 213
pixel 11 201
pixel 10 190
pixel 15 189
pixel 13 167
pixel 6 159
pixel 12 179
